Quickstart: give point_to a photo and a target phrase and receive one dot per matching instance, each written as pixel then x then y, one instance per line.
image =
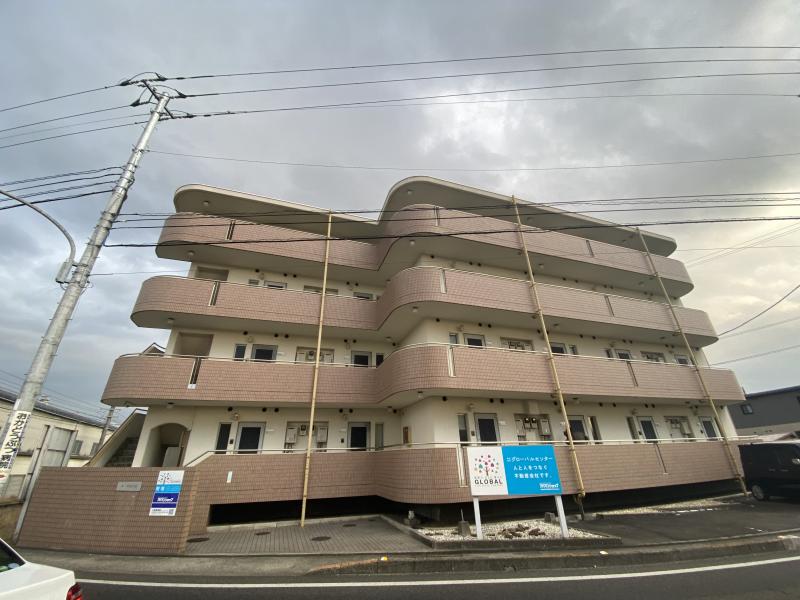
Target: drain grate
pixel 197 539
pixel 349 525
pixel 263 532
pixel 321 538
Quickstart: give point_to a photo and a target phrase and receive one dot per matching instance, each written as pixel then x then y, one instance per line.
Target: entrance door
pixel 648 427
pixel 709 428
pixel 359 436
pixel 486 424
pixel 249 436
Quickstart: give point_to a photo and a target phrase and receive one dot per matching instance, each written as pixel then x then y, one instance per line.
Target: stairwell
pixel 123 457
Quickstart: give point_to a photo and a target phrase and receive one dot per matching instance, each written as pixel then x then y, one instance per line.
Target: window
pixel 378 359
pixel 558 348
pixel 378 436
pixel 261 352
pixel 275 285
pixel 95 446
pixel 363 295
pixel 454 338
pixel 239 351
pixel 214 274
pixel 609 353
pixel 595 428
pixel 463 431
pixel 310 354
pixel 360 358
pixel 573 349
pixel 254 282
pixel 76 447
pixel 475 340
pixel 624 355
pixel 682 359
pixel 318 290
pixel 747 409
pixel 223 435
pixel 516 344
pixel 654 356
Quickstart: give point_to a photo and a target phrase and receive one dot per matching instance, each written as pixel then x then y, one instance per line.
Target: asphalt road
pixel 758 578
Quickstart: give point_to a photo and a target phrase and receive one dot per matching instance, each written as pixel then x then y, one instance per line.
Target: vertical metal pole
pixel 316 371
pixel 562 518
pixel 43 359
pixel 550 358
pixel 476 507
pixel 697 370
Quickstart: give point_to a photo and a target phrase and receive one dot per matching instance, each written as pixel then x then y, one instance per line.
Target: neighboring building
pixel 430 341
pixel 769 413
pixel 71 440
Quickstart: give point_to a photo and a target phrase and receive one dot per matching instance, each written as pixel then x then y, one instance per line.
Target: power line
pixel 464 217
pixel 733 360
pixel 58 175
pixel 64 189
pixel 62 135
pixel 64 117
pixel 467 59
pixel 79 124
pixel 471 170
pixel 721 197
pixel 766 237
pixel 62 96
pixel 423 235
pixel 106 191
pixel 481 74
pixel 38 185
pixel 754 329
pixel 770 307
pixel 356 104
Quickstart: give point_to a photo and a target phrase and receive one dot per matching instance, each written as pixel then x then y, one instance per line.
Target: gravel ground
pixel 699 505
pixel 492 531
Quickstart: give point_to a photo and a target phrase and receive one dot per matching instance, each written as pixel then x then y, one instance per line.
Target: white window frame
pixel 560 345
pixel 275 285
pixel 476 336
pixel 508 342
pixel 260 425
pixel 656 357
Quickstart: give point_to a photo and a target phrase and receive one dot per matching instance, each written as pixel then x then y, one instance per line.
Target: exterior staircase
pixel 123 457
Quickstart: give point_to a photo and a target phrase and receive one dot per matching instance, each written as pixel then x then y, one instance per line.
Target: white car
pixel 23 580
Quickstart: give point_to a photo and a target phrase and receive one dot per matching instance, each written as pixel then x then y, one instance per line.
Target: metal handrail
pixel 428 445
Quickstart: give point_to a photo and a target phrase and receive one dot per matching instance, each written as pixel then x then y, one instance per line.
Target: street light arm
pixel 71 260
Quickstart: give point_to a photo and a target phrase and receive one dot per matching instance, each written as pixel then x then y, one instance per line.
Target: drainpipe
pixel 551 360
pixel 697 370
pixel 316 371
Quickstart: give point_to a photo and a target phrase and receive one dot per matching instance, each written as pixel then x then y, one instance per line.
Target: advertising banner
pixel 513 471
pixel 167 493
pixel 12 441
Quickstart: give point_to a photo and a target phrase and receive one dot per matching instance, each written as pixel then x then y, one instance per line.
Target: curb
pixel 524 561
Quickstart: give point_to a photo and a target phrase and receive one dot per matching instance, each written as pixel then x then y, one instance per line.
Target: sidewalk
pixel 692 530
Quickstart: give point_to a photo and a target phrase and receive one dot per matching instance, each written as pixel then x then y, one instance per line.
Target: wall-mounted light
pixel 414 309
pixel 206 203
pixel 411 243
pixel 170 320
pixel 170 405
pixel 190 253
pixel 419 395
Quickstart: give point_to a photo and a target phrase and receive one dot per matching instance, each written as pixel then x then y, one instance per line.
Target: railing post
pixel 697 370
pixel 550 358
pixel 315 381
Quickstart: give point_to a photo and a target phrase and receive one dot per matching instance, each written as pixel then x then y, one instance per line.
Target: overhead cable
pixel 62 135
pixel 64 117
pixel 762 327
pixel 766 310
pixel 59 175
pixel 58 199
pixel 776 351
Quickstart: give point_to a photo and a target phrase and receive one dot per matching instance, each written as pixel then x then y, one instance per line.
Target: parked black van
pixel 772 469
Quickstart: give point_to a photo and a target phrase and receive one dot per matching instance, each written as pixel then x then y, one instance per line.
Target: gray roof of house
pixel 45 407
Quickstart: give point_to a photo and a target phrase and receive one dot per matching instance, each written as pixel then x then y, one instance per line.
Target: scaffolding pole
pixel 315 381
pixel 706 393
pixel 550 358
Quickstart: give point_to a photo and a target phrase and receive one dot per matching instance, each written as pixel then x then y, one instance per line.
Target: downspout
pixel 697 370
pixel 316 370
pixel 550 358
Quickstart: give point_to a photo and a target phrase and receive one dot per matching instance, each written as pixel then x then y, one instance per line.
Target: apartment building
pixel 458 316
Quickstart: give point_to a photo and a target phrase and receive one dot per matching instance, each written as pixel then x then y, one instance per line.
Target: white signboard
pixel 487 475
pixel 12 441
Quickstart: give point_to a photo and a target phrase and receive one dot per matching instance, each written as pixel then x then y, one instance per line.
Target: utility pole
pixel 106 427
pixel 43 359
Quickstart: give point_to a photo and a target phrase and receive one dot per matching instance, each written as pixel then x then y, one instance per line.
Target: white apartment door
pixel 249 437
pixel 648 428
pixel 486 426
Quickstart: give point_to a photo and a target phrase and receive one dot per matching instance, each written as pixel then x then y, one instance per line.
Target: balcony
pixel 245 243
pixel 432 369
pixel 433 291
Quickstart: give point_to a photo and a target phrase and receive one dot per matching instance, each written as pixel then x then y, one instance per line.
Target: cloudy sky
pixel 60 48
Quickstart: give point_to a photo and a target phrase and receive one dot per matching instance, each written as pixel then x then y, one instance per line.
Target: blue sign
pixel 531 470
pixel 167 493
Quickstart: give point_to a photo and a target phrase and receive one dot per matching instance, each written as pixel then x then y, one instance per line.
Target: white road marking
pixel 444 582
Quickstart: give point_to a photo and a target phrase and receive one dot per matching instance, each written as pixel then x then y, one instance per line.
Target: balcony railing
pixel 249 237
pixel 509 300
pixel 428 368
